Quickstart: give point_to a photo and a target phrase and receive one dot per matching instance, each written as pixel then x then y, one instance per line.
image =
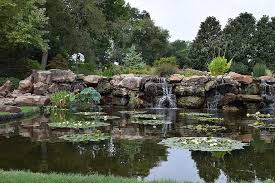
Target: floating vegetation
pixel 194 114
pixel 205 128
pixel 94 137
pixel 90 113
pixel 259 115
pixel 261 125
pixel 203 143
pixel 77 124
pixel 132 112
pixel 209 120
pixel 148 116
pixel 149 122
pixel 103 117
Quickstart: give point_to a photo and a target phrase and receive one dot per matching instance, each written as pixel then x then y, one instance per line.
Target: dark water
pixel 133 150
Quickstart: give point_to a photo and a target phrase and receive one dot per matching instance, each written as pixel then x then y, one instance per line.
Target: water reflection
pixel 133 150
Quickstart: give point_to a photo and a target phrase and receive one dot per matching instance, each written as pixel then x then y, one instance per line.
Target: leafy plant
pixel 219 66
pixel 58 62
pixel 239 68
pixel 203 143
pixel 94 137
pixel 14 82
pixel 259 70
pixel 62 99
pixel 133 59
pixel 149 122
pixel 166 60
pixel 77 124
pixel 90 95
pixel 148 116
pixel 164 70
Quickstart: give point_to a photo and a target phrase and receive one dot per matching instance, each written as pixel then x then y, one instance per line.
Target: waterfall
pixel 268 93
pixel 168 100
pixel 213 101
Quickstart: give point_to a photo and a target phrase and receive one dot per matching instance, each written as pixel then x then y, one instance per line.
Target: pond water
pixel 133 150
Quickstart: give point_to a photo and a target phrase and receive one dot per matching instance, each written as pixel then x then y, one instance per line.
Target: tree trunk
pixel 44 60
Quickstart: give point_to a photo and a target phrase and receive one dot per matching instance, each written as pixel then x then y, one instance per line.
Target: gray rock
pixel 62 76
pixel 190 102
pixel 5 88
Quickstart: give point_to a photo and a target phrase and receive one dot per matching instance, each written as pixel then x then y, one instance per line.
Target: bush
pixel 259 70
pixel 133 59
pixel 87 69
pixel 32 64
pixel 62 99
pixel 219 66
pixel 58 62
pixel 192 72
pixel 164 70
pixel 166 60
pixel 239 68
pixel 14 81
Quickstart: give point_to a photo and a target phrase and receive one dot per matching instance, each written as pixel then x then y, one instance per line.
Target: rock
pixel 116 80
pixel 121 92
pixel 149 79
pixel 120 101
pixel 195 90
pixel 130 82
pixel 40 88
pixel 230 109
pixel 190 102
pixel 11 109
pixel 250 98
pixel 244 79
pixel 228 99
pixel 62 76
pixel 153 89
pixel 252 89
pixel 211 85
pixel 77 86
pixel 56 87
pixel 104 87
pixel 26 85
pixel 200 80
pixel 32 100
pixel 93 80
pixel 7 101
pixel 5 88
pixel 175 78
pixel 267 79
pixel 42 76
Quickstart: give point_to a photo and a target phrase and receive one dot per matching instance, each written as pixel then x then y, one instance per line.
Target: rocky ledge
pixel 230 91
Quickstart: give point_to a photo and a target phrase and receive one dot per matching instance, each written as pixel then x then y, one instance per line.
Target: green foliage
pixel 259 70
pixel 219 66
pixel 77 124
pixel 62 99
pixel 58 62
pixel 192 72
pixel 96 136
pixel 240 68
pixel 164 70
pixel 90 95
pixel 87 69
pixel 166 60
pixel 133 60
pixel 14 82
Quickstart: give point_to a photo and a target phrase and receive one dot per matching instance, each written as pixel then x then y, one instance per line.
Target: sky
pixel 183 17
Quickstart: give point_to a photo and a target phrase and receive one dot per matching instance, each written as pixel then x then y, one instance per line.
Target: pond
pixel 134 149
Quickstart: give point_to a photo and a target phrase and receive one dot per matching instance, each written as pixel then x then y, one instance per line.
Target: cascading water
pixel 168 100
pixel 268 93
pixel 213 101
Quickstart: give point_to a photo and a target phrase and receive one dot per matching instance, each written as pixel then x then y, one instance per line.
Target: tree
pixel 238 36
pixel 133 59
pixel 206 43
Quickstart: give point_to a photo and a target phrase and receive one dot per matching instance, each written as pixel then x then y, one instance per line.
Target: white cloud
pixel 183 17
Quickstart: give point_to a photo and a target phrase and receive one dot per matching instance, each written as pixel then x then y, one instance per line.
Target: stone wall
pixel 231 91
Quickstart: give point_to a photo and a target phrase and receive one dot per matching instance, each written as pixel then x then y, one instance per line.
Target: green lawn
pixel 28 177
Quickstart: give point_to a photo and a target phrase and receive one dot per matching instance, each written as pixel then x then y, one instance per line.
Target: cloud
pixel 183 17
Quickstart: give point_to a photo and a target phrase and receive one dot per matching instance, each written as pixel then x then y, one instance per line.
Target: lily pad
pixel 77 124
pixel 149 122
pixel 196 114
pixel 205 128
pixel 203 144
pixel 90 113
pixel 104 117
pixel 148 116
pixel 261 124
pixel 132 112
pixel 94 137
pixel 209 120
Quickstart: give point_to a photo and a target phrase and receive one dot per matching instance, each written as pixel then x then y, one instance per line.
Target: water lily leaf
pixel 90 113
pixel 196 114
pixel 149 122
pixel 148 116
pixel 203 143
pixel 97 137
pixel 132 112
pixel 77 124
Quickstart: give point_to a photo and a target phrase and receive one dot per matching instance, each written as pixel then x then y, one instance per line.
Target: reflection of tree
pixel 206 166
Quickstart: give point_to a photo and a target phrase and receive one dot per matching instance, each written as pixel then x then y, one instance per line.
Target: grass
pixel 28 177
pixel 4 113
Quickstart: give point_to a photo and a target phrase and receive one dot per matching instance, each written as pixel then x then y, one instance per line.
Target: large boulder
pixel 26 85
pixel 62 76
pixel 56 87
pixel 250 98
pixel 131 83
pixel 93 80
pixel 194 90
pixel 40 88
pixel 175 78
pixel 153 89
pixel 199 80
pixel 244 79
pixel 228 99
pixel 11 109
pixel 104 87
pixel 116 80
pixel 5 88
pixel 121 92
pixel 7 101
pixel 32 100
pixel 120 101
pixel 42 76
pixel 190 102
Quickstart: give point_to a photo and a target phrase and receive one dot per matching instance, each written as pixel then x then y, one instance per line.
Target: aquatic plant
pixel 77 124
pixel 196 114
pixel 203 143
pixel 148 116
pixel 149 122
pixel 97 136
pixel 259 115
pixel 61 99
pixel 90 113
pixel 103 117
pixel 209 120
pixel 205 128
pixel 132 112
